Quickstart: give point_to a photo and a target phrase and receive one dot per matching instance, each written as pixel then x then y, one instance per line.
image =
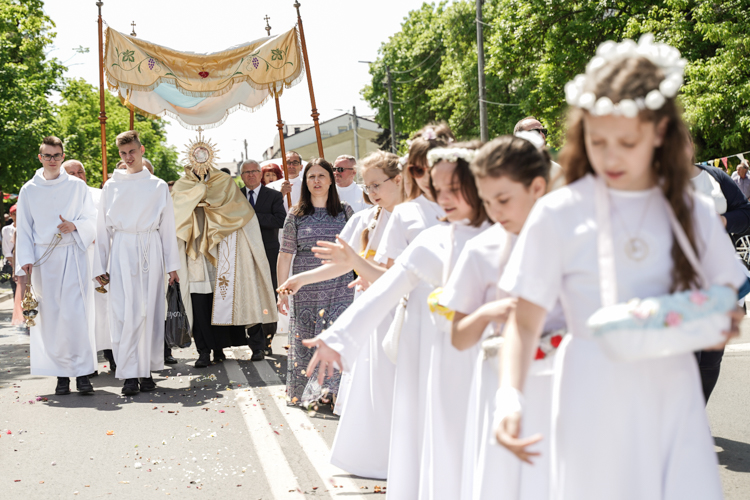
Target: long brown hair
pixel 462 174
pixel 421 143
pixel 389 164
pixel 633 78
pixel 513 157
pixel 304 206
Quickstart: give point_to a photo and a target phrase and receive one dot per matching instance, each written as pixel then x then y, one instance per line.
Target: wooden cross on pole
pixel 268 26
pixel 132 33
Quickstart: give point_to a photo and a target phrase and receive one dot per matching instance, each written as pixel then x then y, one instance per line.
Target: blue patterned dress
pixel 330 297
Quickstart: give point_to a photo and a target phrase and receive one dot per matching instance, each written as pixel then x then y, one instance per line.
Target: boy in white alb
pixel 55 225
pixel 136 245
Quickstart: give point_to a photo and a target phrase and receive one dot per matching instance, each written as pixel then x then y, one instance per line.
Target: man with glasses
pixel 56 225
pixel 269 209
pixel 294 184
pixel 345 170
pixel 531 124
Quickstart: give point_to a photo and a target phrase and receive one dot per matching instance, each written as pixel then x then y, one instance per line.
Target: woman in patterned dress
pixel 319 216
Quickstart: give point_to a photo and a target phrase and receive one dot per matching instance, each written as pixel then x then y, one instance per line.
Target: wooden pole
pixel 315 113
pixel 132 108
pixel 280 126
pixel 102 113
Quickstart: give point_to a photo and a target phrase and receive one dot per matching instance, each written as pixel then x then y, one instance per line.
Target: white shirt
pixel 705 184
pixel 296 190
pixel 353 195
pixel 7 233
pixel 255 195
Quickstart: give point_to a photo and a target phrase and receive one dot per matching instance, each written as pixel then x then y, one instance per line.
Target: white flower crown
pixel 403 161
pixel 662 55
pixel 450 154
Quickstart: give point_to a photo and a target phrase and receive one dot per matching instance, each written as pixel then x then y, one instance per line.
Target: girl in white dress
pixel 424 266
pixel 620 430
pixel 511 175
pixel 365 398
pixel 407 221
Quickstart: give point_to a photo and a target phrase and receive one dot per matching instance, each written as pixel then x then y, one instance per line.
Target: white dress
pixel 353 195
pixel 365 399
pixel 98 320
pixel 62 345
pixel 621 430
pixel 489 470
pixel 137 245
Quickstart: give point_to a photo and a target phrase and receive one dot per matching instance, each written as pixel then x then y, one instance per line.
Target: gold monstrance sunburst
pixel 201 154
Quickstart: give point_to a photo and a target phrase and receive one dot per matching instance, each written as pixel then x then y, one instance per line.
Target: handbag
pixel 661 326
pixel 176 326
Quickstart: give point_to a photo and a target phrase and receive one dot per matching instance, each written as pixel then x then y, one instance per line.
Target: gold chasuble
pixel 221 250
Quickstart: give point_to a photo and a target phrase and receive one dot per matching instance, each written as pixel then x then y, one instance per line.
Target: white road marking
pixel 310 440
pixel 738 347
pixel 275 466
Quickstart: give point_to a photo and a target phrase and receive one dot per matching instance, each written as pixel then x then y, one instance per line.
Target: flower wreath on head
pixel 664 56
pixel 450 154
pixel 403 161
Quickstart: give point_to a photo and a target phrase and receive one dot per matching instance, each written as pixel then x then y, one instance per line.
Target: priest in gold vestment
pixel 225 278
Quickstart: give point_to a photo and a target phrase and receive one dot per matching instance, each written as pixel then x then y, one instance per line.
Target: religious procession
pixel 524 290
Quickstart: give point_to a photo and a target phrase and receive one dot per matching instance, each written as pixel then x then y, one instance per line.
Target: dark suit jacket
pixel 738 208
pixel 269 208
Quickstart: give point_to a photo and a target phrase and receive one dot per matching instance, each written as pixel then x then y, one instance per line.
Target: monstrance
pixel 201 154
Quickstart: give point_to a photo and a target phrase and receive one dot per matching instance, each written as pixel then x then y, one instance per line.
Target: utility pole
pixel 356 133
pixel 483 128
pixel 390 109
pixel 245 148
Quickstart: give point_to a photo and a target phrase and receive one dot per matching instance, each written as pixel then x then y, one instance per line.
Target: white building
pixel 338 136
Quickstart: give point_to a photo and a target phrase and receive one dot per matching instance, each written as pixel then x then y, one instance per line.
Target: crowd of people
pixel 445 307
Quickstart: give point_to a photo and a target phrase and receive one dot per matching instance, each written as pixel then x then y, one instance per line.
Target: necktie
pixel 251 197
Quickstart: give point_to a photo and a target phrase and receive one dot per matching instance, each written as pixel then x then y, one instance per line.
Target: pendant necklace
pixel 636 247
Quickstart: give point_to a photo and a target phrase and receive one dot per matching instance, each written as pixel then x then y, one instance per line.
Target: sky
pixel 339 33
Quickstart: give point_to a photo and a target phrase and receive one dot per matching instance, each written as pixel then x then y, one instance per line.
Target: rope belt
pixel 143 248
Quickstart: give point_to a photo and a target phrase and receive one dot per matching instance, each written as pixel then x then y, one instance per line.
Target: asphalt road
pixel 226 430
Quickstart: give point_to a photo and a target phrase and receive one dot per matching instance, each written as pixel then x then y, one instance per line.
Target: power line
pixel 419 77
pixel 418 65
pixel 499 103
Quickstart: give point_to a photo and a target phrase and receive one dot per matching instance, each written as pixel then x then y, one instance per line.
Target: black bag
pixel 177 326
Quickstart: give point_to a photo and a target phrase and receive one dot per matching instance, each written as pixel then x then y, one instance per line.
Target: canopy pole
pixel 280 126
pixel 102 113
pixel 132 108
pixel 315 113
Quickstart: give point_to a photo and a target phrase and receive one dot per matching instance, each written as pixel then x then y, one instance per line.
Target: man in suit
pixel 269 209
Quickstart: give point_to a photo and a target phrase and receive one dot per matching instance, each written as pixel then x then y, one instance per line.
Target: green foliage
pixel 533 47
pixel 80 131
pixel 26 82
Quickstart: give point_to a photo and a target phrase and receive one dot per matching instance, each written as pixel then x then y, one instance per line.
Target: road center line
pixel 275 467
pixel 310 440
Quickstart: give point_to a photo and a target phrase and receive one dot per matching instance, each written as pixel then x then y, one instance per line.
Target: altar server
pixel 136 245
pixel 426 263
pixel 97 305
pixel 511 175
pixel 365 398
pixel 56 223
pixel 625 227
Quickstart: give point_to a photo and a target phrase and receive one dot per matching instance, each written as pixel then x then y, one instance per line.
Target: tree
pixel 26 82
pixel 534 47
pixel 80 131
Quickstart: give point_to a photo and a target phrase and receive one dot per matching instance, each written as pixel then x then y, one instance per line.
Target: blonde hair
pixel 389 164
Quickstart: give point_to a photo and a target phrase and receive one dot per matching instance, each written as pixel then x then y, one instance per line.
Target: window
pixel 343 129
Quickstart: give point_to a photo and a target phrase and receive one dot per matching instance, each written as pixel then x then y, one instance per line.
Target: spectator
pixel 345 168
pixel 741 179
pixel 8 238
pixel 271 173
pixel 556 175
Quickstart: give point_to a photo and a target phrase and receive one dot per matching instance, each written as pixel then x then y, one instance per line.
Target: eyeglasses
pixel 542 131
pixel 58 157
pixel 294 163
pixel 416 171
pixel 341 169
pixel 251 172
pixel 373 188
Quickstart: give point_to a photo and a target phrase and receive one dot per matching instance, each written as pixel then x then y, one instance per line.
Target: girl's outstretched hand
pixel 282 304
pixel 359 284
pixel 507 432
pixel 335 253
pixel 325 358
pixel 735 315
pixel 290 286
